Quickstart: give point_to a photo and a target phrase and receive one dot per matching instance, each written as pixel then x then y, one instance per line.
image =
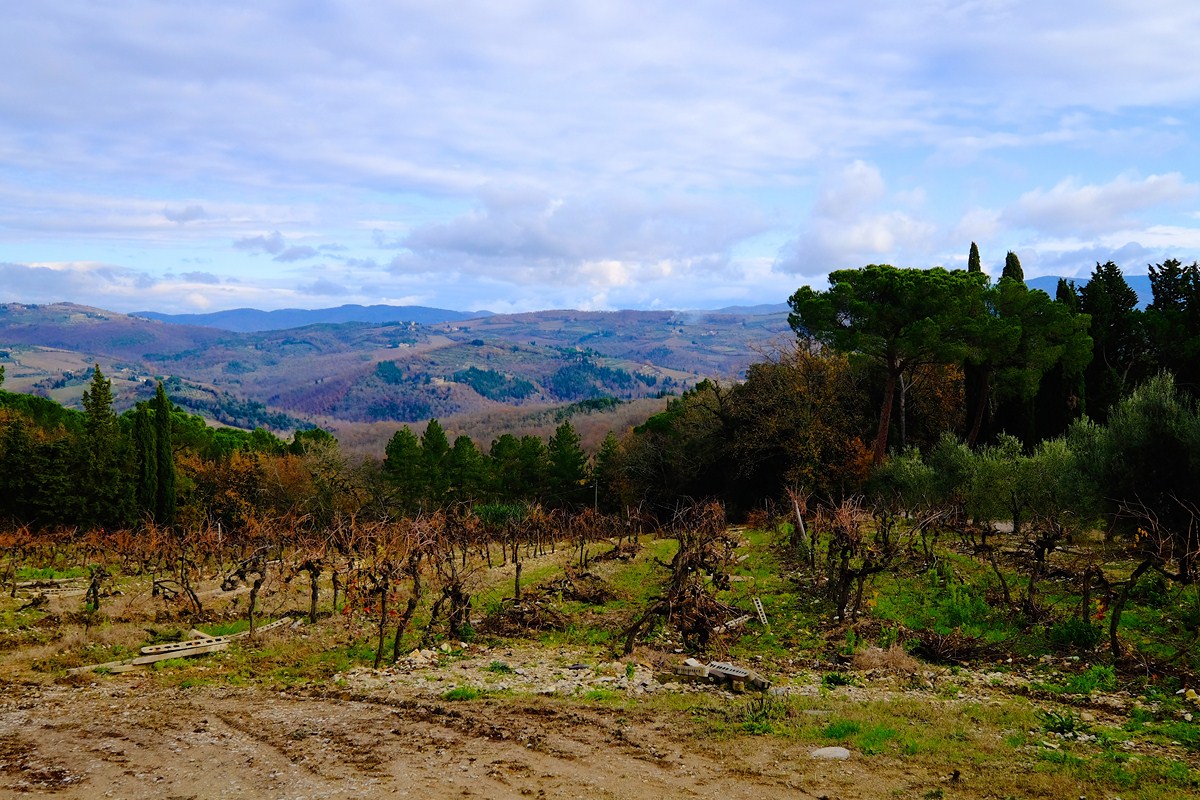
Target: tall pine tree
pixel 106 490
pixel 1119 343
pixel 146 460
pixel 568 467
pixel 164 459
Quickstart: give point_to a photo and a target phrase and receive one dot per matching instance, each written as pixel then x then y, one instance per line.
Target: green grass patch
pixel 841 729
pixel 462 693
pixel 50 573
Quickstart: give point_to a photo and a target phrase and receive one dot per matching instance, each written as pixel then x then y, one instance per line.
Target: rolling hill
pixel 351 373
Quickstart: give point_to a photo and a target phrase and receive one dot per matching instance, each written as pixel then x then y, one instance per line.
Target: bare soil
pixel 125 737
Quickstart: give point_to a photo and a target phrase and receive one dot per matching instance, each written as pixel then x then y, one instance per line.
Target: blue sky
pixel 518 155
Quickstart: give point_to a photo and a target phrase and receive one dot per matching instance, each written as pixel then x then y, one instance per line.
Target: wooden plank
pixel 64 591
pixel 211 647
pixel 270 626
pixel 204 639
pixel 175 647
pixel 192 647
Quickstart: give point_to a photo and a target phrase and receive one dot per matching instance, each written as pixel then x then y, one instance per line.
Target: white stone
pixel 830 753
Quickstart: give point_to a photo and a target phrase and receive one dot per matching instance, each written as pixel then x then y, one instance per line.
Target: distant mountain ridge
pixel 1139 283
pixel 253 320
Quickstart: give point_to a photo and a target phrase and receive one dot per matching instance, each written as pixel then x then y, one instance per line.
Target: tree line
pixel 885 360
pixel 157 464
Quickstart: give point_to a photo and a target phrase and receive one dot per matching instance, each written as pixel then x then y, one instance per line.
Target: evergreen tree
pixel 165 499
pixel 898 318
pixel 1060 397
pixel 1173 321
pixel 435 448
pixel 106 490
pixel 403 466
pixel 146 455
pixel 1119 344
pixel 1012 268
pixel 568 466
pixel 504 469
pixel 1068 294
pixel 607 473
pixel 464 470
pixel 975 376
pixel 534 464
pixel 16 456
pixel 1049 335
pixel 973 264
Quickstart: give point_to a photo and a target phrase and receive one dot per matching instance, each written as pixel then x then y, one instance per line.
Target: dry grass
pixel 894 660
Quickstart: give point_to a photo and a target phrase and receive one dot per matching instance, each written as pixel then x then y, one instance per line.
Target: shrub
pixel 831 680
pixel 1075 633
pixel 1066 723
pixel 1100 677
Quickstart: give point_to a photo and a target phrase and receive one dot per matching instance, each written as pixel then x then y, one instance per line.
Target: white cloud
pixel 850 227
pixel 1096 208
pixel 608 240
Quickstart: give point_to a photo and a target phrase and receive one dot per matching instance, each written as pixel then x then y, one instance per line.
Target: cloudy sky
pixel 516 154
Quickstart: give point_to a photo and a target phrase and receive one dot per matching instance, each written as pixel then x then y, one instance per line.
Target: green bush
pixel 832 680
pixel 1076 634
pixel 1063 722
pixel 1099 677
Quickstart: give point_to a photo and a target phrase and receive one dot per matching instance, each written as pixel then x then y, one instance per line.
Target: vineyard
pixel 480 631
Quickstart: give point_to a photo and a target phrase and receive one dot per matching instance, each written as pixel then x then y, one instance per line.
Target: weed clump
pixel 894 660
pixel 1075 634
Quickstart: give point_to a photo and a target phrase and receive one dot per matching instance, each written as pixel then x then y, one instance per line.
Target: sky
pixel 519 155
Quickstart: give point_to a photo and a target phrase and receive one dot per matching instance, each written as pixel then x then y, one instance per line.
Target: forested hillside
pixel 357 373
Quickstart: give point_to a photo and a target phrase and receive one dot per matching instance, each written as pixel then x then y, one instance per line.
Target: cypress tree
pixel 146 479
pixel 973 264
pixel 1012 268
pixel 164 509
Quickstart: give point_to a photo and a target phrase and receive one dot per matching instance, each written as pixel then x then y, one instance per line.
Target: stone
pixel 830 753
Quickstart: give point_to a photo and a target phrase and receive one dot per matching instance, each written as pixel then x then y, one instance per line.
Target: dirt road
pixel 126 738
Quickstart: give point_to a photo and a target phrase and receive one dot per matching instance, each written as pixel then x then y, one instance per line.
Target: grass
pixel 50 573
